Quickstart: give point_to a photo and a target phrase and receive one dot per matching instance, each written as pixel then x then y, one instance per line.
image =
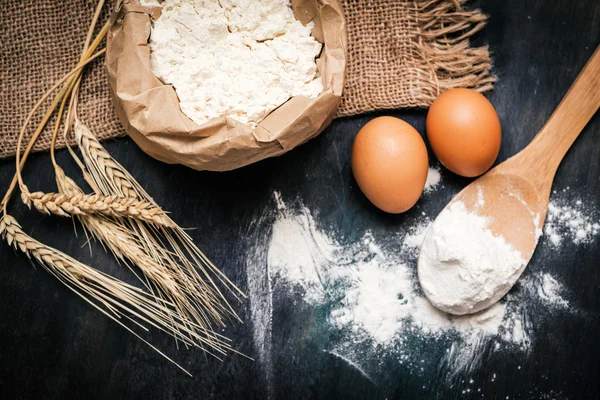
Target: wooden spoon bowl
pixel 514 204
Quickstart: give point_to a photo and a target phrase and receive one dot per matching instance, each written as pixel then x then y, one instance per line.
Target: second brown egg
pixel 464 131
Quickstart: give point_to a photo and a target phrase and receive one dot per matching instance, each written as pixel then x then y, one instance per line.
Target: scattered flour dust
pixel 433 179
pixel 414 238
pixel 373 300
pixel 547 289
pixel 570 220
pixel 301 254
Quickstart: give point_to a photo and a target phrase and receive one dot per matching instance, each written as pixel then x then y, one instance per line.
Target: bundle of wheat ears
pixel 180 292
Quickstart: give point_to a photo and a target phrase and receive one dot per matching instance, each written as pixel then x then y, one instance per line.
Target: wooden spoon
pixel 516 194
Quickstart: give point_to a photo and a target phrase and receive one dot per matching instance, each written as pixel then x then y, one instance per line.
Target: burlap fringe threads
pixel 423 51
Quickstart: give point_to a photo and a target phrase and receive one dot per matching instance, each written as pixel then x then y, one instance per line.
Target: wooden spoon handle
pixel 543 155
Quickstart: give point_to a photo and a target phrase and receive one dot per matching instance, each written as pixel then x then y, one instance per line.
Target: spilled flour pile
pixel 372 302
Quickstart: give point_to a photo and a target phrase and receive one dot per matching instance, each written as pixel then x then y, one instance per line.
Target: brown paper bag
pixel 149 110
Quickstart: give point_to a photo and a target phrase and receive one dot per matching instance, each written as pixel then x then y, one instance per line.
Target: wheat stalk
pixel 107 177
pixel 112 297
pixel 208 302
pixel 154 240
pixel 113 179
pixel 67 205
pixel 122 242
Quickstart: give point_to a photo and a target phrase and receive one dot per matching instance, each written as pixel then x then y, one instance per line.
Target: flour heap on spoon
pixel 239 59
pixel 463 266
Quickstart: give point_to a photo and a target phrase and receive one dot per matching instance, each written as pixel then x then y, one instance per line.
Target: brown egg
pixel 389 162
pixel 464 131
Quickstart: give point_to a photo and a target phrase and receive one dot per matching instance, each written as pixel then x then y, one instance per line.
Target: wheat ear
pixel 67 205
pixel 131 240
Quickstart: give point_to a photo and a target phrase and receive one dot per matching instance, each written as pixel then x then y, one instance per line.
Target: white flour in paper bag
pixel 240 59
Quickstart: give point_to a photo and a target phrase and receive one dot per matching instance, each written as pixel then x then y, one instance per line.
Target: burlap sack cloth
pixel 400 54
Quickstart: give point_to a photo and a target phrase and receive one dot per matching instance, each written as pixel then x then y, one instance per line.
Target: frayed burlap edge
pixel 408 62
